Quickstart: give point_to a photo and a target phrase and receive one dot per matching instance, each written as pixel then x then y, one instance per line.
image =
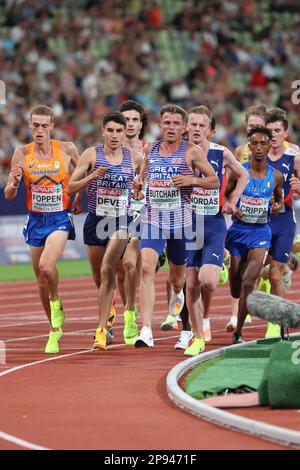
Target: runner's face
pixel 259 145
pixel 113 134
pixel 255 121
pixel 198 128
pixel 133 123
pixel 172 127
pixel 278 133
pixel 41 127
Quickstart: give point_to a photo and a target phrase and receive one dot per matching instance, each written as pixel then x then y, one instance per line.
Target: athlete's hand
pixel 295 183
pixel 137 183
pixel 229 207
pixel 183 181
pixel 77 207
pixel 99 173
pixel 138 195
pixel 17 173
pixel 239 215
pixel 276 207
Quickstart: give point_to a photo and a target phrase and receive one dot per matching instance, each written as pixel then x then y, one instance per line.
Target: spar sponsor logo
pixel 47 198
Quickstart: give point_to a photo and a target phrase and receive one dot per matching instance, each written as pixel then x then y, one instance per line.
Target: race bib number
pixel 255 210
pixel 164 195
pixel 111 202
pixel 47 198
pixel 205 201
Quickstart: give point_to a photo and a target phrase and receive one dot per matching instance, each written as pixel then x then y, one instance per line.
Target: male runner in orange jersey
pixel 46 166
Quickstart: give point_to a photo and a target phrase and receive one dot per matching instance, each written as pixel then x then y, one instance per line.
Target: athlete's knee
pixel 41 280
pixel 193 289
pixel 108 272
pixel 46 269
pixel 209 283
pixel 147 270
pixel 248 283
pixel 129 267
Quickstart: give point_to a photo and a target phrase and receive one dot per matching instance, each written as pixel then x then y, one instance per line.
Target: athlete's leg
pixel 114 250
pixel 53 250
pixel 36 253
pixel 147 287
pixel 130 264
pixel 254 264
pixel 276 277
pixel 121 281
pixel 193 292
pixel 95 254
pixel 209 276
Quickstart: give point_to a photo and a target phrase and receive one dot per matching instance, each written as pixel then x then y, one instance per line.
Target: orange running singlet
pixel 46 181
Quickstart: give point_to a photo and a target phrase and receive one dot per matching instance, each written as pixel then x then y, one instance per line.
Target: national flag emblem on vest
pixel 269 184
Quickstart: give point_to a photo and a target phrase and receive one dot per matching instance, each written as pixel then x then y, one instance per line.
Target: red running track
pixel 113 399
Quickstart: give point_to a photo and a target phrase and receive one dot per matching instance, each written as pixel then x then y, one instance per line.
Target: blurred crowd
pixel 84 57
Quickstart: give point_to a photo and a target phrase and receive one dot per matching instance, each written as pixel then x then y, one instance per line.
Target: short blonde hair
pixel 42 110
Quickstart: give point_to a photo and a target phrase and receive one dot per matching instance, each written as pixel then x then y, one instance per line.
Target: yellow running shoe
pixel 130 328
pixel 57 313
pixel 52 346
pixel 197 347
pixel 100 339
pixel 248 319
pixel 264 285
pixel 223 275
pixel 170 323
pixel 273 331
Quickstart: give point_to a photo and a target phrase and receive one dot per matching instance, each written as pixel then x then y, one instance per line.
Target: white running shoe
pixel 176 303
pixel 145 338
pixel 231 325
pixel 206 330
pixel 184 339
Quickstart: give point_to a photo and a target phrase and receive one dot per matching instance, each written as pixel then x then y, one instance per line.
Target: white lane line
pixel 21 442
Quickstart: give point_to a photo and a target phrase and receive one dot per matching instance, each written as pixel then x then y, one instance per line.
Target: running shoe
pixel 57 313
pixel 237 338
pixel 184 339
pixel 170 323
pixel 264 285
pixel 176 303
pixel 52 346
pixel 248 319
pixel 100 339
pixel 231 325
pixel 273 331
pixel 223 275
pixel 109 336
pixel 130 328
pixel 145 338
pixel 206 330
pixel 197 347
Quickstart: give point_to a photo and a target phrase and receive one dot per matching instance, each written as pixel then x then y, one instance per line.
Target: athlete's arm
pixel 15 175
pixel 73 156
pixel 238 153
pixel 278 199
pixel 241 182
pixel 140 179
pixel 86 162
pixel 137 161
pixel 196 159
pixel 295 178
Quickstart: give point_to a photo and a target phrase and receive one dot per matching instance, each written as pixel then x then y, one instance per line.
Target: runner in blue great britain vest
pixel 110 169
pixel 205 262
pixel 249 237
pixel 168 167
pixel 283 227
